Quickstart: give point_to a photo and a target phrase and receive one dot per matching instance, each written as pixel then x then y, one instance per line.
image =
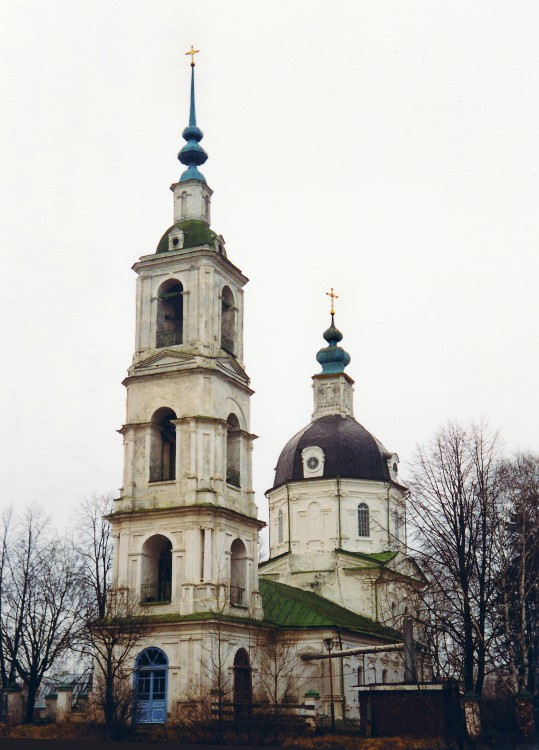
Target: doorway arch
pixel 243 687
pixel 151 686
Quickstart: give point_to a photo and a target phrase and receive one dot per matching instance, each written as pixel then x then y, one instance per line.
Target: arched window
pixel 151 686
pixel 228 321
pixel 233 451
pixel 363 519
pixel 156 569
pixel 163 446
pixel 238 573
pixel 169 314
pixel 243 689
pixel 280 526
pixel 384 676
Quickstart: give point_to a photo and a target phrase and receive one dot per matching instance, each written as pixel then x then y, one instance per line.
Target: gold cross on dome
pixel 333 298
pixel 192 52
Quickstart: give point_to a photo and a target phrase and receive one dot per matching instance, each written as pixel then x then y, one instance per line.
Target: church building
pixel 186 526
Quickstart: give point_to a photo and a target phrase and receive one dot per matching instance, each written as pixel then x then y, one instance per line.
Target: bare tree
pixel 94 542
pixel 42 603
pixel 7 665
pixel 280 671
pixel 454 501
pixel 518 569
pixel 111 641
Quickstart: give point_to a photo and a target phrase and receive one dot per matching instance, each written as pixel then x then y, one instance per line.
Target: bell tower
pixel 186 523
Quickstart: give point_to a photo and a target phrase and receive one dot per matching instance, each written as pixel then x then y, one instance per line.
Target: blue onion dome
pixel 332 358
pixel 192 154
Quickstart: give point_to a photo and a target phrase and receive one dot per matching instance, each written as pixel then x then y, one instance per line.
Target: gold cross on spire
pixel 333 298
pixel 192 52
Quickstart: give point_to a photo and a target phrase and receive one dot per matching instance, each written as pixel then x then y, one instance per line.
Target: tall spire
pixel 192 154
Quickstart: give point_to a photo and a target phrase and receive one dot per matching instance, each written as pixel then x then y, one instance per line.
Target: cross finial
pixel 333 298
pixel 192 52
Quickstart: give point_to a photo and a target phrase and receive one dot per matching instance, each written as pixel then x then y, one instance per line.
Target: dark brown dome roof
pixel 350 452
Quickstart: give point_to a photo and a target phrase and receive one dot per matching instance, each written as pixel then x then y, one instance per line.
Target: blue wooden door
pixel 151 687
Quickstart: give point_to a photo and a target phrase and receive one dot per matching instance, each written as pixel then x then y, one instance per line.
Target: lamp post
pixel 328 643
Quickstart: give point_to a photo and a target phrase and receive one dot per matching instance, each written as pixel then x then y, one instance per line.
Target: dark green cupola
pixel 332 358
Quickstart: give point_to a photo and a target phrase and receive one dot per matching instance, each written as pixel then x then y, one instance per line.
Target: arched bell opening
pixel 238 573
pixel 151 672
pixel 243 688
pixel 163 447
pixel 228 321
pixel 156 570
pixel 169 326
pixel 233 451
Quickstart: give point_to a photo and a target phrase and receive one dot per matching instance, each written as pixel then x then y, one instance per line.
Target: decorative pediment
pixel 231 367
pixel 167 358
pixel 273 567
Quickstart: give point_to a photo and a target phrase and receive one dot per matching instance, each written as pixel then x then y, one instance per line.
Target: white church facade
pixel 186 526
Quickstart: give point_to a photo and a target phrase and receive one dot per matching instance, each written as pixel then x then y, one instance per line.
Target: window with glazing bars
pixel 363 519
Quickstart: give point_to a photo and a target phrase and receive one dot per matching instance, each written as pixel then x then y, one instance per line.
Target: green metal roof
pixel 195 233
pixel 290 607
pixel 378 557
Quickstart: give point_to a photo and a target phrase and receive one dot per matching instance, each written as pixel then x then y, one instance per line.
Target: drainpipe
pixel 376 595
pixel 342 677
pixel 406 498
pixel 269 528
pixel 339 510
pixel 288 506
pixel 388 520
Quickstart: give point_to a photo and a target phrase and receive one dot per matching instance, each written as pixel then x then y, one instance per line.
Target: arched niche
pixel 163 446
pixel 156 569
pixel 228 321
pixel 280 526
pixel 233 451
pixel 314 522
pixel 238 573
pixel 169 324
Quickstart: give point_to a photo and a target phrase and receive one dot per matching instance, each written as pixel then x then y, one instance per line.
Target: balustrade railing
pixel 233 477
pixel 237 596
pixel 155 592
pixel 227 344
pixel 162 473
pixel 168 338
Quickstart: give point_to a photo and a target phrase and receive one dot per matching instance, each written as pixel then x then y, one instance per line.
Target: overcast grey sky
pixel 387 149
